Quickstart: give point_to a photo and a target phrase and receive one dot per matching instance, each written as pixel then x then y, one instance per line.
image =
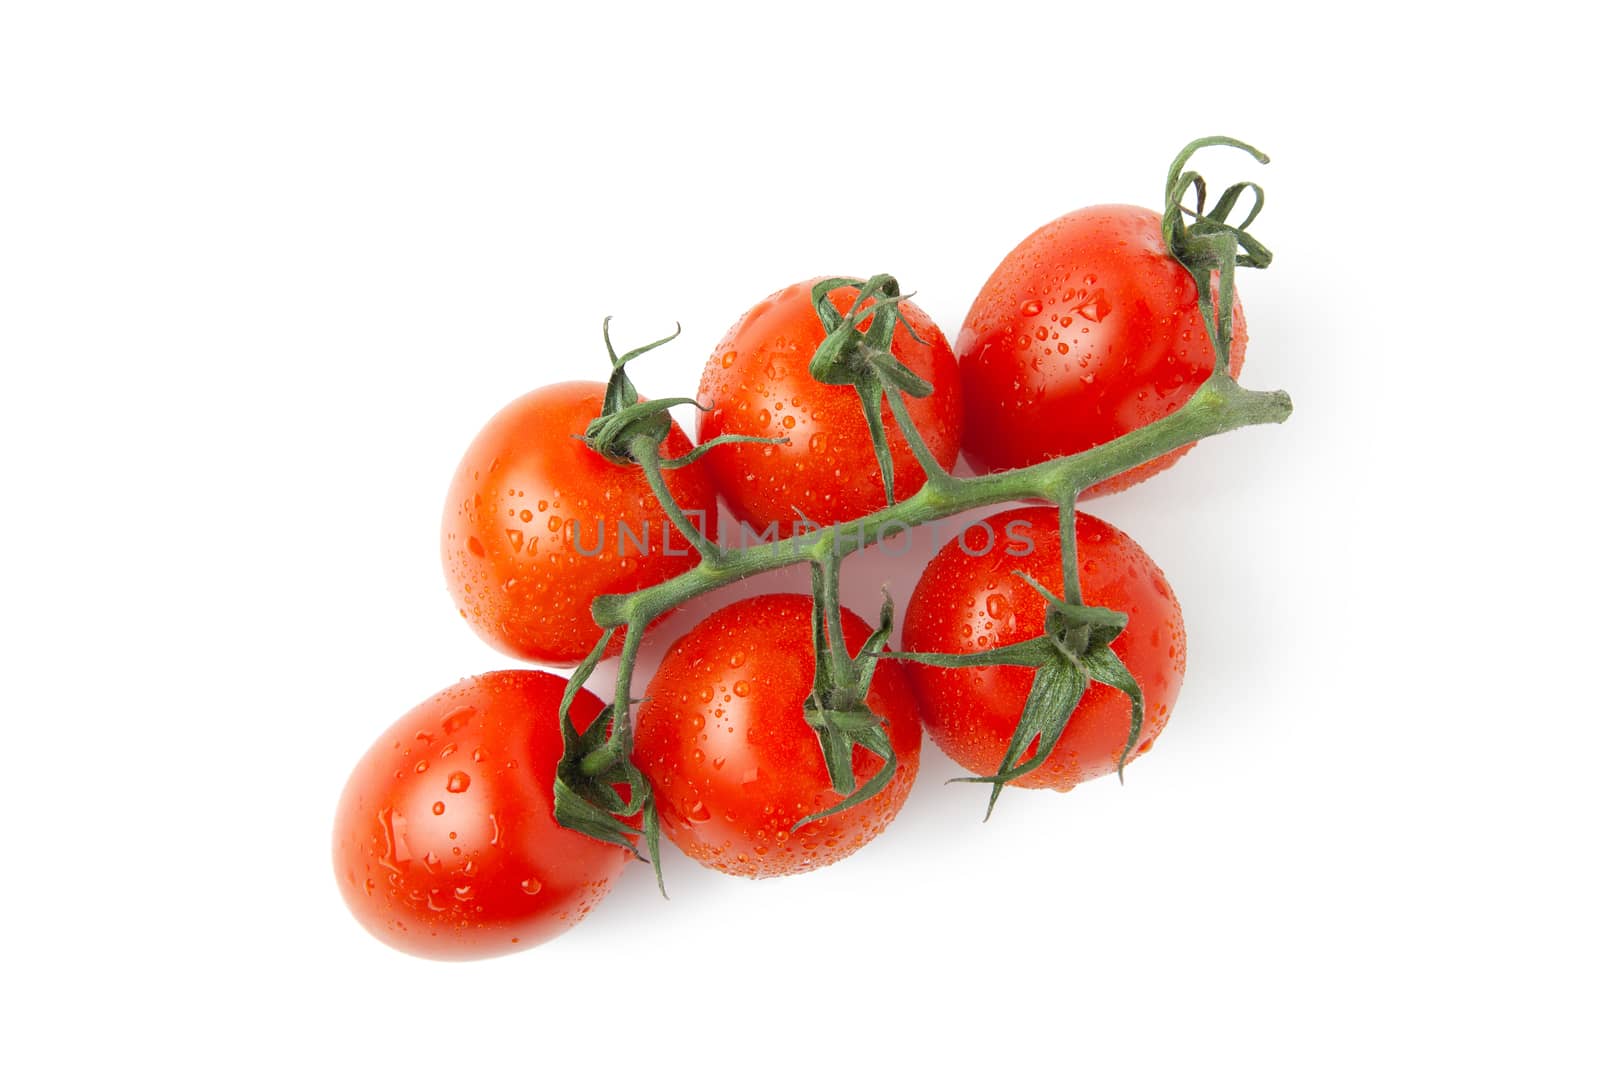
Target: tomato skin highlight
pixel 1086 330
pixel 522 542
pixel 445 844
pixel 758 382
pixel 723 739
pixel 970 603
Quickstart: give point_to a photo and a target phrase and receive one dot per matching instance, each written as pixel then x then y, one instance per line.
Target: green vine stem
pixel 1075 648
pixel 1217 406
pixel 1071 591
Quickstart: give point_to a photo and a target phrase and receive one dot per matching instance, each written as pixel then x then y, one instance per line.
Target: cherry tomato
pixel 1086 330
pixel 969 600
pixel 537 525
pixel 723 739
pixel 445 844
pixel 758 382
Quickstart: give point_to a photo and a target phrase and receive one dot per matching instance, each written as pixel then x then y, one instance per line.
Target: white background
pixel 265 269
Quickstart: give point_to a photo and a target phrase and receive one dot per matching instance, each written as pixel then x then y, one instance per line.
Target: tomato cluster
pixel 761 726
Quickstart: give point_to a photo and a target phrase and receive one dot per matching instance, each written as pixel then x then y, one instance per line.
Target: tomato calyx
pixel 1074 649
pixel 630 431
pixel 856 351
pixel 628 427
pixel 837 708
pixel 1209 244
pixel 626 424
pixel 594 762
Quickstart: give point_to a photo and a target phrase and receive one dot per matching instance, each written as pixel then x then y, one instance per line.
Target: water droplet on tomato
pixel 457 718
pixel 531 886
pixel 475 546
pixel 1032 307
pixel 421 767
pixel 458 782
pixel 699 812
pixel 438 807
pixel 395 851
pixel 729 357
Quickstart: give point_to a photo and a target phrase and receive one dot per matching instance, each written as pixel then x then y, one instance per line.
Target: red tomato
pixel 1086 330
pixel 445 844
pixel 972 602
pixel 723 739
pixel 537 525
pixel 758 382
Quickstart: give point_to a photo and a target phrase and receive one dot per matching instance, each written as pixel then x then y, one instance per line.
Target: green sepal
pixel 876 742
pixel 620 392
pixel 650 824
pixel 871 396
pixel 1057 688
pixel 721 439
pixel 1104 666
pixel 1034 652
pixel 866 660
